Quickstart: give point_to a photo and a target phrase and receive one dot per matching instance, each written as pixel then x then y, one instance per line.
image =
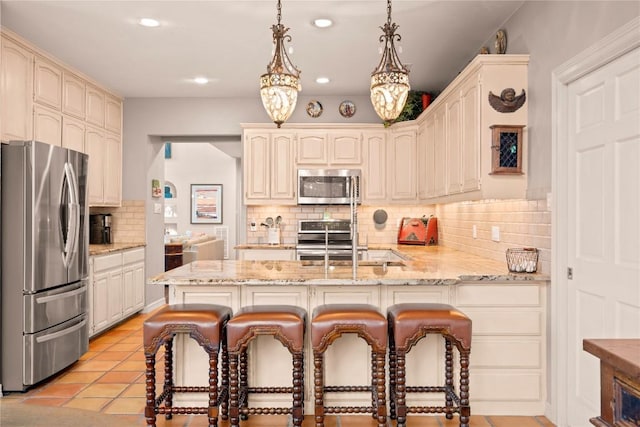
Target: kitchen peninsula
pixel 509 314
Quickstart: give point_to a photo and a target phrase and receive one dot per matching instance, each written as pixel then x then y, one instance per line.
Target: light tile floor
pixel 109 380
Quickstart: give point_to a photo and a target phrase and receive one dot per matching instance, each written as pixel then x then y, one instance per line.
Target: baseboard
pixel 153 306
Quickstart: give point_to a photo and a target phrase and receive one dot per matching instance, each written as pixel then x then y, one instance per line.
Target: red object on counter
pixel 414 231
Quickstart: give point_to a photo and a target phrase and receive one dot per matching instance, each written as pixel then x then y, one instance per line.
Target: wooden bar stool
pixel 286 324
pixel 205 324
pixel 408 324
pixel 329 322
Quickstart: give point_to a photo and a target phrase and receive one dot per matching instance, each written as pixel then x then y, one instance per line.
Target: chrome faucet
pixel 326 248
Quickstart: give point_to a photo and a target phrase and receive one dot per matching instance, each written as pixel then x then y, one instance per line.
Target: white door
pixel 603 221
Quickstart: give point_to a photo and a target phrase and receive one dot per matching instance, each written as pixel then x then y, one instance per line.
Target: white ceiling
pixel 230 41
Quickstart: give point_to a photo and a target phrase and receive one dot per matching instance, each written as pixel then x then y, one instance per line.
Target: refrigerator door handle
pixel 73 220
pixel 55 335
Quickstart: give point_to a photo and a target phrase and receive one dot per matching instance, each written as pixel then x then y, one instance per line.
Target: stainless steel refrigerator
pixel 45 261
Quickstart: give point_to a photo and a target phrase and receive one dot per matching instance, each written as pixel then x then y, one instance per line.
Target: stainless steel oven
pixel 317 237
pixel 327 186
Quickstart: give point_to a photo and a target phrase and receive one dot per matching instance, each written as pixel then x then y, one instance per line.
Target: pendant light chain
pixel 279 12
pixel 388 12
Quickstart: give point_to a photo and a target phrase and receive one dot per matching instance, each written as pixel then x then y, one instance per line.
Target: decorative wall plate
pixel 347 109
pixel 314 108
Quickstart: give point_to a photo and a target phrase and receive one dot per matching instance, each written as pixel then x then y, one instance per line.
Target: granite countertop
pixel 431 265
pixel 113 247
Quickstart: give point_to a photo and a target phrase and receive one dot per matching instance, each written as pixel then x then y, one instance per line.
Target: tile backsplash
pixel 522 223
pixel 128 221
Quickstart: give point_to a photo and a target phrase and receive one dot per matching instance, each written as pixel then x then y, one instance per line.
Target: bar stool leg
pixel 224 389
pixel 465 409
pixel 150 380
pixel 448 378
pixel 401 404
pixel 381 403
pixel 234 407
pixel 213 389
pixel 392 382
pixel 374 389
pixel 168 376
pixel 244 384
pixel 298 391
pixel 318 377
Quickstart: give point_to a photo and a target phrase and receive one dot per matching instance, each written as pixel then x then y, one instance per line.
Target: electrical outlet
pixel 253 226
pixel 495 233
pixel 474 231
pixel 157 208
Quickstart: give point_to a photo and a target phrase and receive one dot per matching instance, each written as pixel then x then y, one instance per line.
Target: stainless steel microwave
pixel 327 186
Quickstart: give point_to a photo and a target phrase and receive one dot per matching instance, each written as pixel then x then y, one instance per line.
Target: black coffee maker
pixel 100 229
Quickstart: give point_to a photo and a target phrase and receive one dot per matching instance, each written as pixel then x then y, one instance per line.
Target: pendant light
pixel 390 79
pixel 279 87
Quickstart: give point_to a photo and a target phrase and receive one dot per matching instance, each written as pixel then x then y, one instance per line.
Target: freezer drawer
pixel 53 349
pixel 46 309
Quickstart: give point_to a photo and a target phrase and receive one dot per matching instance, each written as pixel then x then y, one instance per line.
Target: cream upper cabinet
pixel 268 167
pixel 112 179
pixel 462 119
pixel 402 164
pixel 48 83
pixel 95 148
pixel 312 148
pixel 374 171
pixel 95 105
pixel 113 114
pixel 425 152
pixel 16 89
pixel 470 136
pixel 73 132
pixel 47 125
pixel 345 148
pixel 73 95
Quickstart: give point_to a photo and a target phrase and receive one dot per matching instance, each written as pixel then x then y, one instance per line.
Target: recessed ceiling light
pixel 201 80
pixel 149 22
pixel 322 80
pixel 322 22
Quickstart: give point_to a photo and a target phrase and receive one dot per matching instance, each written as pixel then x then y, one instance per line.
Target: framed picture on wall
pixel 206 203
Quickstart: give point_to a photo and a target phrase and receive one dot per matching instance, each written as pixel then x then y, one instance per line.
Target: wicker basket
pixel 522 260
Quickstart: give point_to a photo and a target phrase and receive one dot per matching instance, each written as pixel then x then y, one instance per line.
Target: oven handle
pixel 321 252
pixel 61 333
pixel 43 300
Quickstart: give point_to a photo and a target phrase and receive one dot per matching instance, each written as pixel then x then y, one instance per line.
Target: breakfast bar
pixel 509 311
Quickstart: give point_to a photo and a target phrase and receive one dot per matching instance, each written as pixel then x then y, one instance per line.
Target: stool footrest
pixel 427 389
pixel 346 388
pixel 433 410
pixel 265 411
pixel 270 390
pixel 190 389
pixel 181 410
pixel 348 409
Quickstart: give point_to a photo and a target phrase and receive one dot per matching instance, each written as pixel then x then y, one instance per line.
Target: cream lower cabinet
pixel 508 355
pixel 509 345
pixel 268 168
pixel 116 287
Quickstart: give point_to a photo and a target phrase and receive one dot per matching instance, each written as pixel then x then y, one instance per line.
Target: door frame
pixel 615 45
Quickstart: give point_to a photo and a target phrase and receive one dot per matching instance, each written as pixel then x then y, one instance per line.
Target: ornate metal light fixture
pixel 390 79
pixel 279 87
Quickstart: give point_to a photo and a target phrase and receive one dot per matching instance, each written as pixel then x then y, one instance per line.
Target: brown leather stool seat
pixel 329 322
pixel 285 323
pixel 205 324
pixel 408 324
